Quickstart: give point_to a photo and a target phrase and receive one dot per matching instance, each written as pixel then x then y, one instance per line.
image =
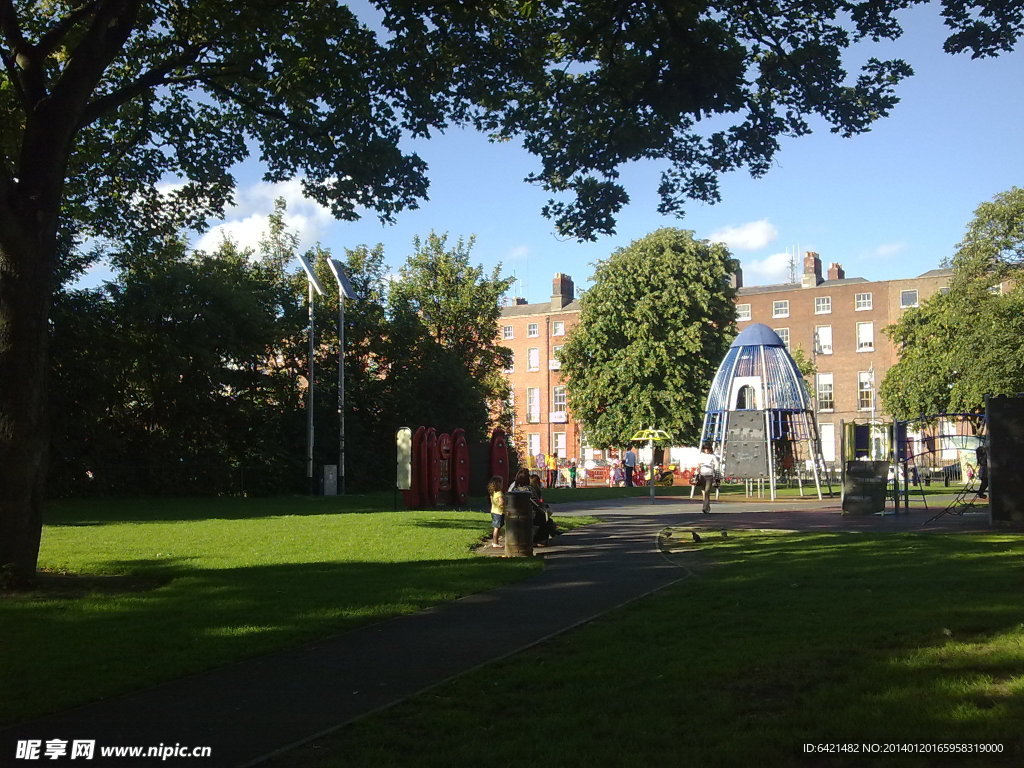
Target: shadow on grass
pixel 88 643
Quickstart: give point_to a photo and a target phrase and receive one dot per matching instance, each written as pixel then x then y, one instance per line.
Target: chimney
pixel 835 271
pixel 736 276
pixel 812 270
pixel 518 301
pixel 562 291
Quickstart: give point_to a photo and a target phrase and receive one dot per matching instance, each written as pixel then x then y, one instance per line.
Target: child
pixel 494 490
pixel 572 474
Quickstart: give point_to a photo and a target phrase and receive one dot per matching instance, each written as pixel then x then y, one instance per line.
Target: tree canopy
pixel 652 331
pixel 964 344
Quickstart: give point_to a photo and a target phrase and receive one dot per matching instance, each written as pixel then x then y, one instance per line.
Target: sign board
pixel 746 445
pixel 864 489
pixel 403 440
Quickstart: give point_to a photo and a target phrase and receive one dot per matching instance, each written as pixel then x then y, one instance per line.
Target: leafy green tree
pixel 447 362
pixel 962 345
pixel 652 332
pixel 102 100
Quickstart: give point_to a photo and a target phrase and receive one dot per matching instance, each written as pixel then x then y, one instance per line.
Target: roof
pixel 782 287
pixel 543 308
pixel 757 335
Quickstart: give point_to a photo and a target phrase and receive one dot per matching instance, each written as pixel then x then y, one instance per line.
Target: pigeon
pixel 725 534
pixel 696 536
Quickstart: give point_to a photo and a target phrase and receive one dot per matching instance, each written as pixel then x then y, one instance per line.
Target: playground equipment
pixel 759 417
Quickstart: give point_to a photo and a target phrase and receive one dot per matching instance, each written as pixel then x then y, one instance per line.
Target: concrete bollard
pixel 518 524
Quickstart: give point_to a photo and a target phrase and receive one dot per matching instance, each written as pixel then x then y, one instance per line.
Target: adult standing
pixel 552 470
pixel 708 469
pixel 982 455
pixel 629 465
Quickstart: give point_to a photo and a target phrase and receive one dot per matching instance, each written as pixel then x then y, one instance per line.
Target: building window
pixel 554 363
pixel 865 337
pixel 865 390
pixel 506 332
pixel 533 443
pixel 533 359
pixel 862 301
pixel 823 305
pixel 908 299
pixel 780 309
pixel 742 311
pixel 823 339
pixel 558 398
pixel 827 433
pixel 558 328
pixel 533 404
pixel 559 444
pixel 783 333
pixel 826 396
pixel 511 363
pixel 533 330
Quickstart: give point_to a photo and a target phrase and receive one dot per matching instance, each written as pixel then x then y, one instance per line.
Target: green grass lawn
pixel 143 591
pixel 775 640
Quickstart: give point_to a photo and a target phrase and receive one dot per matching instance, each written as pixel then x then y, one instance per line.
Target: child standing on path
pixel 497 494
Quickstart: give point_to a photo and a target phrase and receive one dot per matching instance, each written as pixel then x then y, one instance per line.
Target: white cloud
pixel 888 250
pixel 771 270
pixel 518 253
pixel 751 236
pixel 246 221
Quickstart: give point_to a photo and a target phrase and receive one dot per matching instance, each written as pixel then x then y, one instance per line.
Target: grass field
pixel 142 591
pixel 775 641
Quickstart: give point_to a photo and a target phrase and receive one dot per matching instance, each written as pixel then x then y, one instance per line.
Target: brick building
pixel 535 333
pixel 836 320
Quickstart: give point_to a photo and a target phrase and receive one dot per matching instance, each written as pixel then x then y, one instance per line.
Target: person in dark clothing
pixel 982 454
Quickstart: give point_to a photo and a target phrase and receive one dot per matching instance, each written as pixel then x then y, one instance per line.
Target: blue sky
pixel 888 204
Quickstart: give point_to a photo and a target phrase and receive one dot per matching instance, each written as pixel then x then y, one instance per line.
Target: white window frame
pixel 533 405
pixel 554 364
pixel 533 444
pixel 533 359
pixel 558 328
pixel 866 341
pixel 827 434
pixel 780 308
pixel 533 330
pixel 742 312
pixel 862 302
pixel 508 332
pixel 824 391
pixel 865 390
pixel 559 398
pixel 823 305
pixel 561 445
pixel 907 305
pixel 822 347
pixel 783 333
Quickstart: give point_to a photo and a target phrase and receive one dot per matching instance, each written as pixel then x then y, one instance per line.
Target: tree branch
pixel 52 38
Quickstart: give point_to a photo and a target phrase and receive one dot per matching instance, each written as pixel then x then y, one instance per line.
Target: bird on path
pixel 696 536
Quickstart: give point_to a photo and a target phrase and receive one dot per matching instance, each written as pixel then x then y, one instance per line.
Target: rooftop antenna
pixel 792 264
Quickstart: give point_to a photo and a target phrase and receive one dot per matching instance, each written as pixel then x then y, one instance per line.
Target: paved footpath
pixel 259 708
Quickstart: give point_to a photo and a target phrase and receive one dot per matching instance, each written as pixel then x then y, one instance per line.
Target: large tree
pixel 102 100
pixel 968 342
pixel 652 332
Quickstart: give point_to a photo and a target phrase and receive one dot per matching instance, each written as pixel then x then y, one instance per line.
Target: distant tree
pixel 962 345
pixel 446 362
pixel 652 331
pixel 105 99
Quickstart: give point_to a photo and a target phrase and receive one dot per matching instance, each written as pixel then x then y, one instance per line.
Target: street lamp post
pixel 314 285
pixel 344 292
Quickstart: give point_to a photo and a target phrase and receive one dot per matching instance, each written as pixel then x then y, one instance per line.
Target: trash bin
pixel 518 524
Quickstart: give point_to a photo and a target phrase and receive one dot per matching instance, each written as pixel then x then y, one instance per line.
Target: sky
pixel 888 204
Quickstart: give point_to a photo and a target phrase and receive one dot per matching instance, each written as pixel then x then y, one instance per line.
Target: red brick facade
pixel 837 322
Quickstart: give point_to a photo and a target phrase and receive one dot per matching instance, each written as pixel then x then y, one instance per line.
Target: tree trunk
pixel 26 288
